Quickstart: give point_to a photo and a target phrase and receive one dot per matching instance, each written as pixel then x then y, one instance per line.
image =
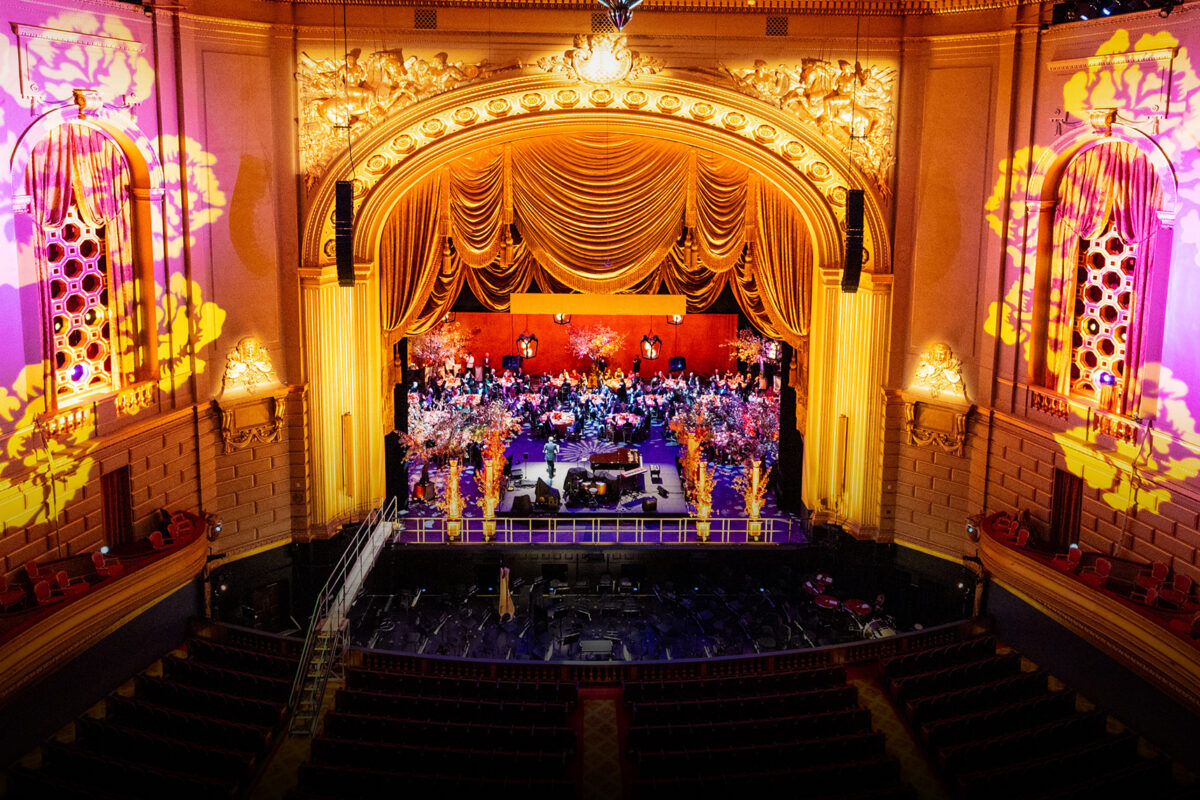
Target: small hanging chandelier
pixel 651 347
pixel 620 11
pixel 448 316
pixel 562 319
pixel 527 345
pixel 674 319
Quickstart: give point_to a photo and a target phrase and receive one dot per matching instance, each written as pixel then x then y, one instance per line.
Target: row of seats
pixel 328 781
pixel 995 731
pixel 426 685
pixel 481 761
pixel 875 778
pixel 228 681
pixel 937 657
pixel 734 686
pixel 745 708
pixel 701 761
pixel 450 709
pixel 752 731
pixel 439 733
pixel 200 730
pixel 206 651
pixel 959 676
pixel 444 735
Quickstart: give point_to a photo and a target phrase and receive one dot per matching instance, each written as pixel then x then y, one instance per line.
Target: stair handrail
pixel 325 598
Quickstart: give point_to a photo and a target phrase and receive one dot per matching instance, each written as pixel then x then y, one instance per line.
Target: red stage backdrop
pixel 699 339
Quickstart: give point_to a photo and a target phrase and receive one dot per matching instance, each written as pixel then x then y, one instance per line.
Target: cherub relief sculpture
pixel 343 97
pixel 848 102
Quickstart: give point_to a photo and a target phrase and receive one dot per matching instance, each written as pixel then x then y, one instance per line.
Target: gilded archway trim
pixel 797 159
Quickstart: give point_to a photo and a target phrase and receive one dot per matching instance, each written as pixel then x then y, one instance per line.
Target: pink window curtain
pixel 81 164
pixel 1110 183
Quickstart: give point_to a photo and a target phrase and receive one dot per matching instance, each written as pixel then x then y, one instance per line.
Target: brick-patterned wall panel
pixel 254 495
pixel 297 438
pixel 929 493
pixel 161 457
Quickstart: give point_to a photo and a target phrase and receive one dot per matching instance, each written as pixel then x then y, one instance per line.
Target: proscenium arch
pixel 342 326
pixel 794 156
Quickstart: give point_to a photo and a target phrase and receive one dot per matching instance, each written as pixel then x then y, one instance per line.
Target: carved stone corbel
pixel 935 403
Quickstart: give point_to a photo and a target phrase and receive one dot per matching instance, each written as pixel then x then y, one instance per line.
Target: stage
pixel 657 490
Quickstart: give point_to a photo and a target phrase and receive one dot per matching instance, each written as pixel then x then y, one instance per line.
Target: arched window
pixel 1105 222
pixel 78 182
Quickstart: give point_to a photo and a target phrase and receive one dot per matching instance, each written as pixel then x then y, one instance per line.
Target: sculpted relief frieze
pixel 342 98
pixel 848 102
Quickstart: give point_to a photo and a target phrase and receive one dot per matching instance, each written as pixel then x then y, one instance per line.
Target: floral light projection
pixel 595 342
pixel 1130 476
pixel 1008 319
pixel 121 75
pixel 1156 90
pixel 40 474
pixel 206 201
pixel 175 328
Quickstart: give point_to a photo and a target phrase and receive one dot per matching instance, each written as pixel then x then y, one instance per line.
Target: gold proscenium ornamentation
pixel 353 94
pixel 848 102
pixel 601 58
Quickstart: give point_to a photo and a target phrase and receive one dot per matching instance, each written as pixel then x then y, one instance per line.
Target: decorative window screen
pixel 77 276
pixel 1103 296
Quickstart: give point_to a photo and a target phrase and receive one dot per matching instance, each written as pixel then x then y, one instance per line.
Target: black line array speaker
pixel 343 231
pixel 852 269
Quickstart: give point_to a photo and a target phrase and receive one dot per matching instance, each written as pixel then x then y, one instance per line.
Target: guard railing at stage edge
pixel 579 529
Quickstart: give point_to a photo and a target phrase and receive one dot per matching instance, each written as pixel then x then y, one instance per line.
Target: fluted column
pixel 343 355
pixel 844 450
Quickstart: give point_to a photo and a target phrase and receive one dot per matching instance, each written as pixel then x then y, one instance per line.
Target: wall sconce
pixel 527 345
pixel 562 319
pixel 651 347
pixel 674 319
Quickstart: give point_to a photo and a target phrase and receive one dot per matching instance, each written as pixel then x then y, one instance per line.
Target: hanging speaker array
pixel 852 268
pixel 343 231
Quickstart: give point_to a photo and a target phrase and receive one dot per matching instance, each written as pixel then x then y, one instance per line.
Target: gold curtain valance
pixel 596 213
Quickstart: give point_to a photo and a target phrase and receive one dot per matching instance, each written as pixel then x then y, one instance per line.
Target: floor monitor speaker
pixel 522 505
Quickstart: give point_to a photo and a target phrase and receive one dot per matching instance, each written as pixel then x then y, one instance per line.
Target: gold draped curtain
pixel 596 213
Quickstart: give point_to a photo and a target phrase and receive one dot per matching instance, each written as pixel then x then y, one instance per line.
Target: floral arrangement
pixel 445 430
pixel 595 342
pixel 490 479
pixel 451 502
pixel 751 484
pixel 750 346
pixel 444 340
pixel 729 429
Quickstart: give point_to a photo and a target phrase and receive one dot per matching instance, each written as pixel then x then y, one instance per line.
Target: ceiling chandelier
pixel 562 319
pixel 620 11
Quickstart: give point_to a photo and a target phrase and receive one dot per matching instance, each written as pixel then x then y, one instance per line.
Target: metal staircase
pixel 327 636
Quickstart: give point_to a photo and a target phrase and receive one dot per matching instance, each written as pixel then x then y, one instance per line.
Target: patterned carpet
pixel 602 767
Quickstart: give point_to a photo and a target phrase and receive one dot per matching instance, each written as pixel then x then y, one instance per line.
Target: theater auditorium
pixel 599 398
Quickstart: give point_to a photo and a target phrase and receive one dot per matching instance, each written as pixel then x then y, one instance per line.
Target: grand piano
pixel 623 458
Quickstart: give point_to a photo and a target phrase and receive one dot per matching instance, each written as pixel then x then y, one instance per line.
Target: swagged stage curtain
pixel 81 164
pixel 1110 184
pixel 595 213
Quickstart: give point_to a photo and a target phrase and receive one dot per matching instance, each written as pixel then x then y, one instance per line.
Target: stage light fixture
pixel 527 345
pixel 562 319
pixel 620 11
pixel 675 319
pixel 651 347
pixel 771 350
